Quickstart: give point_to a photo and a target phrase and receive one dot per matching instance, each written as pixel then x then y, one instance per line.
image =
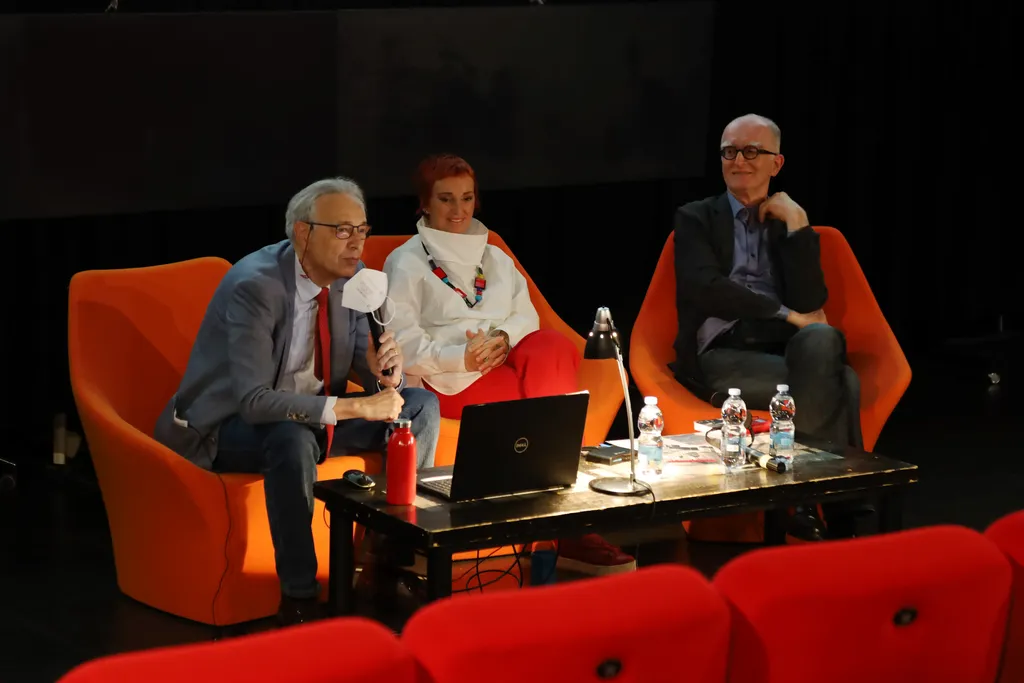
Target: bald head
pixel 750 156
pixel 753 121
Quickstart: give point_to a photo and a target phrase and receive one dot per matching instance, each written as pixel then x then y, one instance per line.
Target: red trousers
pixel 543 363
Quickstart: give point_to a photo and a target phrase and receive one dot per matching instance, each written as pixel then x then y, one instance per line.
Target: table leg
pixel 775 526
pixel 342 566
pixel 439 573
pixel 890 513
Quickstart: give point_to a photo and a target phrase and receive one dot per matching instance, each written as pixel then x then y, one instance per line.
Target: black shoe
pixel 390 588
pixel 805 525
pixel 845 519
pixel 294 611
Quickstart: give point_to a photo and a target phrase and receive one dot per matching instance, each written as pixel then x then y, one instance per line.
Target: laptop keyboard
pixel 443 486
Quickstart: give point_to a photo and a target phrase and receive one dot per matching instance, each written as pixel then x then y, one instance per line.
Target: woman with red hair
pixel 463 314
pixel 466 325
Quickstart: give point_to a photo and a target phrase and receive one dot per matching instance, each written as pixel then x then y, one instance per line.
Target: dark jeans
pixel 286 453
pixel 825 389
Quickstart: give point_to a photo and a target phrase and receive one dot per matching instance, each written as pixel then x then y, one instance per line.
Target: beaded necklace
pixel 479 284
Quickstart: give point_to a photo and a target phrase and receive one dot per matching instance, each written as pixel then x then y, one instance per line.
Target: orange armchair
pixel 599 377
pixel 186 541
pixel 872 351
pixel 872 348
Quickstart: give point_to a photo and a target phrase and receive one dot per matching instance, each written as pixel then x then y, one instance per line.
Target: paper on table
pixel 691 451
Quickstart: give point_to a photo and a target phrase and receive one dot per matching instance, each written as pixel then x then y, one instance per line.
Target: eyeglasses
pixel 750 152
pixel 343 231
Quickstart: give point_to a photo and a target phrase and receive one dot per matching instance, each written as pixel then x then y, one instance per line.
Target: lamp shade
pixel 603 340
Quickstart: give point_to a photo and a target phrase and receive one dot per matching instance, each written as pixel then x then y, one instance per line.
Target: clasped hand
pixel 802 320
pixel 485 351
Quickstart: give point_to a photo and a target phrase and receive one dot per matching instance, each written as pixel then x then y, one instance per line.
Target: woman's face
pixel 451 205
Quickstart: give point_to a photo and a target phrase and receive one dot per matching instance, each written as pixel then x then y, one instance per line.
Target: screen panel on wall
pixel 123 113
pixel 531 96
pixel 107 114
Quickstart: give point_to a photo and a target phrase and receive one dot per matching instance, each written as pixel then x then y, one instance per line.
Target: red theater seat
pixel 922 605
pixel 663 623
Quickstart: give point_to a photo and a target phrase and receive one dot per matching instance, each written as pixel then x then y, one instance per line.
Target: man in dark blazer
pixel 255 396
pixel 750 292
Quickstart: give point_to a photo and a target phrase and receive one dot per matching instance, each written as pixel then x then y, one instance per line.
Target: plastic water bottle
pixel 651 447
pixel 782 431
pixel 734 429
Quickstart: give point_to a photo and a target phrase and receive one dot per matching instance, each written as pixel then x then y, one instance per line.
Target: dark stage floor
pixel 60 606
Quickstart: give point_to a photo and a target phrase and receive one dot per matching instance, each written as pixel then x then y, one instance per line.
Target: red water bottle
pixel 401 465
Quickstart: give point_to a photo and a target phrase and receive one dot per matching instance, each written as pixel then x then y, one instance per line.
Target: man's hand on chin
pixel 781 206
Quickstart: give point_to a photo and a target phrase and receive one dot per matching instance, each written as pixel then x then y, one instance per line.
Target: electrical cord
pixel 476 573
pixel 227 539
pixel 654 505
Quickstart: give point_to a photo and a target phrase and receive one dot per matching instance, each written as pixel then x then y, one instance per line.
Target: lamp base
pixel 618 486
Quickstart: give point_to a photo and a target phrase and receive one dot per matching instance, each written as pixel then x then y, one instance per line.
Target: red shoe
pixel 591 554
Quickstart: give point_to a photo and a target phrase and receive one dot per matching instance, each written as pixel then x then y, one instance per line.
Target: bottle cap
pixel 651 400
pixel 782 388
pixel 403 423
pixel 734 392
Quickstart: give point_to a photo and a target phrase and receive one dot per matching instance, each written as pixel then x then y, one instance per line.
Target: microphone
pixel 376 330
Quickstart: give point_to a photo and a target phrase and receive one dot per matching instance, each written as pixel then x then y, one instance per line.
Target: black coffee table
pixel 439 528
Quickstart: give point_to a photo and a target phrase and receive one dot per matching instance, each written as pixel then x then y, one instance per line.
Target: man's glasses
pixel 345 230
pixel 750 152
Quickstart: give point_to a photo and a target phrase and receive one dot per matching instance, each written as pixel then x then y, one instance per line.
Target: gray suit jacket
pixel 239 353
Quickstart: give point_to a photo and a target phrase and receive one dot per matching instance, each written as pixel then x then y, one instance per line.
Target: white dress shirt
pixel 298 375
pixel 431 319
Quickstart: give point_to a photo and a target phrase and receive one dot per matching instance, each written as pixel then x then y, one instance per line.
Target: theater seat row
pixel 932 604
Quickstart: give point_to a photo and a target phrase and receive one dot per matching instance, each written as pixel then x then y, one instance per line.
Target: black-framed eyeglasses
pixel 345 230
pixel 750 152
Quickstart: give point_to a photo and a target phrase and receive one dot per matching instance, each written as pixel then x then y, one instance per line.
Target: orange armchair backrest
pixel 130 333
pixel 872 348
pixel 658 321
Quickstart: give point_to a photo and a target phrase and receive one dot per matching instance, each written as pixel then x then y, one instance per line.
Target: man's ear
pixel 777 161
pixel 300 230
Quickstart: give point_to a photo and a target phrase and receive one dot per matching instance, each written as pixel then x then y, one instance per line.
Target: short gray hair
pixel 300 208
pixel 764 121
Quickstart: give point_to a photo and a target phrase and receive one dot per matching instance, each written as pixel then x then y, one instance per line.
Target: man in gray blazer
pixel 252 398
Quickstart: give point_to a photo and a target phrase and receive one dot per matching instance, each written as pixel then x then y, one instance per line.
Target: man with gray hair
pixel 264 390
pixel 750 292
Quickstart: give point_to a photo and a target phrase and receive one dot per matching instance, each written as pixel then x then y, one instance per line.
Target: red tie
pixel 322 351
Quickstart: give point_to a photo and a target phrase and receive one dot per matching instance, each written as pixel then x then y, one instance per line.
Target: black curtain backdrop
pixel 897 129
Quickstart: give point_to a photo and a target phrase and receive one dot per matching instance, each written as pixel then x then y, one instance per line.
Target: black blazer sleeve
pixel 699 272
pixel 799 257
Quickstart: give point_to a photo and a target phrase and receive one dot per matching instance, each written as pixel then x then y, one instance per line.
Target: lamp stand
pixel 623 486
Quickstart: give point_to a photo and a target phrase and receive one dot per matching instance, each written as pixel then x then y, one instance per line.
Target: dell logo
pixel 521 444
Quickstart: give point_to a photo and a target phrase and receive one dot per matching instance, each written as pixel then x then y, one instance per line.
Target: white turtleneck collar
pixel 465 249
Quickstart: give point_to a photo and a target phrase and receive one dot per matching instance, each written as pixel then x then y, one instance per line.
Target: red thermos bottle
pixel 401 465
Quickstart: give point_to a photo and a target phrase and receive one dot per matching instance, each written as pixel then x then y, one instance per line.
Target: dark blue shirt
pixel 751 267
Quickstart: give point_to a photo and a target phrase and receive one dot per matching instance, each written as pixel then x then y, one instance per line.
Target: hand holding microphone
pixel 366 292
pixel 385 351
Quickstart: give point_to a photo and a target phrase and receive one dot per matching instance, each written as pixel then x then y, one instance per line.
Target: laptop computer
pixel 509 447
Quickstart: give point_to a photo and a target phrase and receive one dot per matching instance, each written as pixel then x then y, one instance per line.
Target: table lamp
pixel 603 343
